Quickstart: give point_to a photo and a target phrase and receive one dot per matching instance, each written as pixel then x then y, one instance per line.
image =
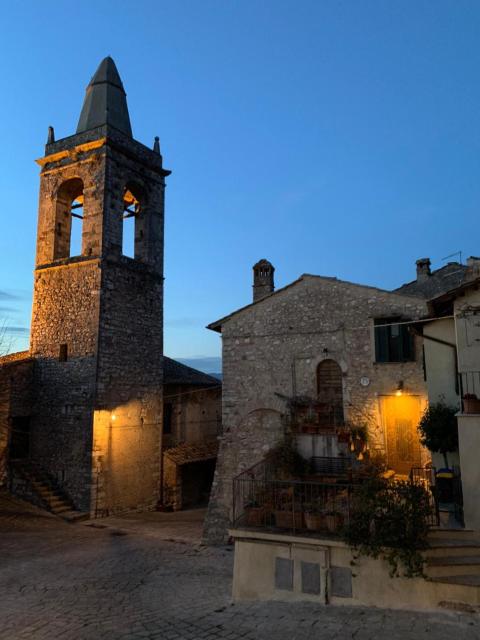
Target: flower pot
pixel 308 428
pixel 255 516
pixel 314 521
pixel 289 519
pixel 471 405
pixel 333 522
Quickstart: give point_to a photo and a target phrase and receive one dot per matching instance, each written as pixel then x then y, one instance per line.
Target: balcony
pixel 319 505
pixel 469 383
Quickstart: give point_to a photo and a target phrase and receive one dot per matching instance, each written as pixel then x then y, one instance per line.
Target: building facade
pixel 192 421
pixel 343 349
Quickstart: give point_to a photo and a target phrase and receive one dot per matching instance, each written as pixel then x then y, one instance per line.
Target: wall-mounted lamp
pixel 113 417
pixel 399 390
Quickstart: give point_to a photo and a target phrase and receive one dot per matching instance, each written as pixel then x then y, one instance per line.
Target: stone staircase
pixel 45 492
pixel 453 563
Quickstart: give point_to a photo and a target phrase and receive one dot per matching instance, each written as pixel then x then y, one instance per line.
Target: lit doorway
pixel 401 415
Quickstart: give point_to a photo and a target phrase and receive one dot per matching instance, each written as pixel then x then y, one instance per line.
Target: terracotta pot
pixel 333 522
pixel 255 516
pixel 315 521
pixel 308 428
pixel 471 405
pixel 289 519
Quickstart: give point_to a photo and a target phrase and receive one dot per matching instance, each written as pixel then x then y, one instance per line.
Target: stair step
pixel 450 531
pixel 61 509
pixel 446 566
pixel 46 490
pixel 462 579
pixel 452 547
pixel 454 560
pixel 75 516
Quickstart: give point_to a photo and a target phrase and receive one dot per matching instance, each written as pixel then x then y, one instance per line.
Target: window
pixel 63 353
pixel 393 342
pixel 330 394
pixel 131 211
pixel 69 219
pixel 167 418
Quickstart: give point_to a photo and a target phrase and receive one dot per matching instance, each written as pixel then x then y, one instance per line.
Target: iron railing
pixel 290 506
pixel 300 507
pixel 329 466
pixel 425 477
pixel 469 383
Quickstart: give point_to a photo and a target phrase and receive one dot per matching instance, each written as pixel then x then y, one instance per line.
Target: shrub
pixel 438 429
pixel 389 519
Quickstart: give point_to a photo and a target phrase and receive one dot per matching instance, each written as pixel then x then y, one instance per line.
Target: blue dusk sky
pixel 339 138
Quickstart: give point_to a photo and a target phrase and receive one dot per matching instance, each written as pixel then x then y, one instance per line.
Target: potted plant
pixel 254 514
pixel 288 512
pixel 314 517
pixel 286 461
pixel 333 521
pixel 471 404
pixel 288 518
pixel 438 429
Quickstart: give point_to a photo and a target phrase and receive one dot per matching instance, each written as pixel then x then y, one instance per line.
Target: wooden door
pixel 401 415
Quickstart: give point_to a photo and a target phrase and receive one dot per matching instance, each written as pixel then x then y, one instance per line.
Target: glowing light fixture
pixel 114 417
pixel 399 390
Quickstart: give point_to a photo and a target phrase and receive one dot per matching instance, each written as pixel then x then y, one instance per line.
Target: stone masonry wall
pixel 66 311
pixel 128 415
pixel 128 403
pixel 196 413
pixel 271 351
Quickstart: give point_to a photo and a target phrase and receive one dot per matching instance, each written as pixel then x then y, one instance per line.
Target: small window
pixel 167 418
pixel 393 341
pixel 63 353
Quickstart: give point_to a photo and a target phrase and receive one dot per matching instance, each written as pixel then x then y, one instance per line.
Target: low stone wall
pixel 280 567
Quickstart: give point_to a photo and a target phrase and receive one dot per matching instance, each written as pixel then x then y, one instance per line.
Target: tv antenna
pixel 457 253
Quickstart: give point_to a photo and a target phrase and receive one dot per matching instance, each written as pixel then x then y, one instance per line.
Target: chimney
pixel 473 268
pixel 262 279
pixel 423 268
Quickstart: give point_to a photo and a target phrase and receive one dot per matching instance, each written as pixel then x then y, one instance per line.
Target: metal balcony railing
pixel 469 383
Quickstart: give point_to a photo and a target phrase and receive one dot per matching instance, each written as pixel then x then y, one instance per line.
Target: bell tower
pixel 263 283
pixel 97 318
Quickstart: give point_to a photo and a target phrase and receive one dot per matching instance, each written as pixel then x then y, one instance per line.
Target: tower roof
pixel 105 101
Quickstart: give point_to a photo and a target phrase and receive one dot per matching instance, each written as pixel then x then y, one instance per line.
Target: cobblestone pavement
pixel 125 579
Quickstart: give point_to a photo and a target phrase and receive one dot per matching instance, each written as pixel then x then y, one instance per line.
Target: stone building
pixel 83 426
pixel 191 426
pixel 345 351
pixel 82 410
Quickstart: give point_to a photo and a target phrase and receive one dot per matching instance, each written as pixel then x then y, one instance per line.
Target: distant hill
pixel 211 365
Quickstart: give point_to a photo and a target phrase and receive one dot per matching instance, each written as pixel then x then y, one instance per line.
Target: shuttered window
pixel 393 342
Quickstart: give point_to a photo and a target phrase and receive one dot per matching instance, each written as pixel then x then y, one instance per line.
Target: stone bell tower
pixel 263 282
pixel 97 319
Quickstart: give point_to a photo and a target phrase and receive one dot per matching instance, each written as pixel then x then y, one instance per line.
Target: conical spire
pixel 105 101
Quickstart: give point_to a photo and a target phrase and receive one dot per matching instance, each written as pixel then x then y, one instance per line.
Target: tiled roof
pixel 186 453
pixel 445 279
pixel 177 373
pixel 10 358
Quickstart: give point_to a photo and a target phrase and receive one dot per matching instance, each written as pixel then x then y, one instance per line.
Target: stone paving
pixel 124 578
